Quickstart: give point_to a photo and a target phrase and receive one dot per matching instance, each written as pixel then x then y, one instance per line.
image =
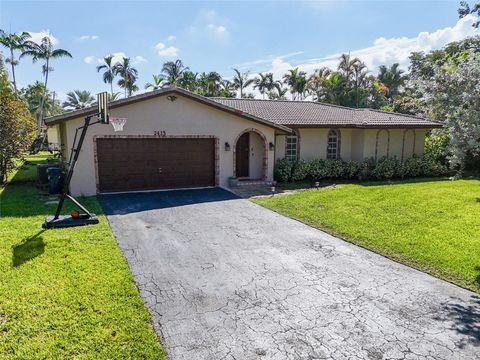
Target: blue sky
pixel 251 35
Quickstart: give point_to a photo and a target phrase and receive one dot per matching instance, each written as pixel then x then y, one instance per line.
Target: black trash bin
pixel 42 176
pixel 55 180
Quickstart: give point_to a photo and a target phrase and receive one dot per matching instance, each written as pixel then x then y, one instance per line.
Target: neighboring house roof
pixel 52 120
pixel 279 114
pixel 315 114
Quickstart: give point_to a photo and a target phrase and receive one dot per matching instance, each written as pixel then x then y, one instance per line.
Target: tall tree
pixel 109 71
pixel 316 82
pixel 128 76
pixel 227 89
pixel 189 81
pixel 392 78
pixel 17 126
pixel 78 99
pixel 173 70
pixel 346 66
pixel 297 82
pixel 210 83
pixel 14 42
pixel 264 83
pixel 33 95
pixel 158 82
pixel 452 96
pixel 465 9
pixel 241 81
pixel 46 52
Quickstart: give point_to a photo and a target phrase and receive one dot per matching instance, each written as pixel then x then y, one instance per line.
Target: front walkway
pixel 227 279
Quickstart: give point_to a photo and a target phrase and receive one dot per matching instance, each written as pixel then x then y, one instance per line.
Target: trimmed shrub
pixel 366 169
pixel 283 170
pixel 317 170
pixel 385 168
pixel 352 169
pixel 299 171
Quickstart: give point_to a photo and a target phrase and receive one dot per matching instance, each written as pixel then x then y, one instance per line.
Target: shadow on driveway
pixel 126 203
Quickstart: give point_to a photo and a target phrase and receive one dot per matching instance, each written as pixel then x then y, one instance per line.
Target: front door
pixel 242 155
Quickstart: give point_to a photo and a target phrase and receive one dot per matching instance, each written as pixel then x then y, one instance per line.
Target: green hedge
pixel 369 169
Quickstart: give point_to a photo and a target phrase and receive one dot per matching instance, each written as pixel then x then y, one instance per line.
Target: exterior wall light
pixel 171 98
pixel 227 146
pixel 271 146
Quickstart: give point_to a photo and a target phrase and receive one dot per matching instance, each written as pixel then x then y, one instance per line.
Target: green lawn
pixel 65 293
pixel 431 225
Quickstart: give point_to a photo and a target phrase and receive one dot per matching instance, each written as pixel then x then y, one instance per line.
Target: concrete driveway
pixel 227 279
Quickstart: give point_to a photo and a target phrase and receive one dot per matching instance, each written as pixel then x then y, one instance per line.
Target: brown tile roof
pixel 314 114
pixel 280 114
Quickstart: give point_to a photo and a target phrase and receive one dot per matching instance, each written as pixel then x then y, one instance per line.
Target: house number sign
pixel 160 133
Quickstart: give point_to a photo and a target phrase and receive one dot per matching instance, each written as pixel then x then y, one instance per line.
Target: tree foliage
pixel 17 126
pixel 452 95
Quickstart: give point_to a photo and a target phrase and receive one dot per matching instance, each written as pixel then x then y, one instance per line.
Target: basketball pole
pixel 87 218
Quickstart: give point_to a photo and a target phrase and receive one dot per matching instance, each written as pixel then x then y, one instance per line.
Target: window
pixel 291 150
pixel 333 148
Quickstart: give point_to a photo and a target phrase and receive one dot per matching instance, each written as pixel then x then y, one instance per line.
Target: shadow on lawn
pixel 29 249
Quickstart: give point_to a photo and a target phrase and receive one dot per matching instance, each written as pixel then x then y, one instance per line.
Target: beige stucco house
pixel 176 139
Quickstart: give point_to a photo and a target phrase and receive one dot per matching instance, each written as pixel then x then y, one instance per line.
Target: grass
pixel 65 293
pixel 427 224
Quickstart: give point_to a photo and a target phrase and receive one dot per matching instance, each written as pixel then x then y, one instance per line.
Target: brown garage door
pixel 153 163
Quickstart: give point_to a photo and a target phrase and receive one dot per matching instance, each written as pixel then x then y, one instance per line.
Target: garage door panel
pixel 143 164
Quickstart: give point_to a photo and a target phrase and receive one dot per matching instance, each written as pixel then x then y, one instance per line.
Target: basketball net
pixel 118 123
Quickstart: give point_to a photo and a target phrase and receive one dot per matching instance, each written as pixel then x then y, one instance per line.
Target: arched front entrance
pixel 250 155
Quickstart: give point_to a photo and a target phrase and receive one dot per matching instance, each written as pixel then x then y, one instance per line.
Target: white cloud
pixel 116 57
pixel 38 36
pixel 166 51
pixel 89 37
pixel 210 24
pixel 171 38
pixel 138 60
pixel 90 59
pixel 217 29
pixel 383 51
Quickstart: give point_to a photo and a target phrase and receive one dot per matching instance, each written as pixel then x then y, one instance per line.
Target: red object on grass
pixel 75 214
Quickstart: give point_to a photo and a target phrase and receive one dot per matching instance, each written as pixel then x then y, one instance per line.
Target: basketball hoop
pixel 117 123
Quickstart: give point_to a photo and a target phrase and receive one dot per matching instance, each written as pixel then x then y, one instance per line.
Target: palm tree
pixel 359 74
pixel 173 70
pixel 14 42
pixel 78 99
pixel 44 51
pixel 297 82
pixel 227 89
pixel 158 81
pixel 210 83
pixel 114 96
pixel 346 65
pixel 316 82
pixel 264 83
pixel 392 78
pixel 109 73
pixel 188 80
pixel 241 81
pixel 278 92
pixel 333 91
pixel 128 76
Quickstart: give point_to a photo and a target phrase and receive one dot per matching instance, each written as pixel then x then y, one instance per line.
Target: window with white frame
pixel 291 150
pixel 333 145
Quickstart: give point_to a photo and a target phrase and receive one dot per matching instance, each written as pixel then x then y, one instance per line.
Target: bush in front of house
pixel 368 169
